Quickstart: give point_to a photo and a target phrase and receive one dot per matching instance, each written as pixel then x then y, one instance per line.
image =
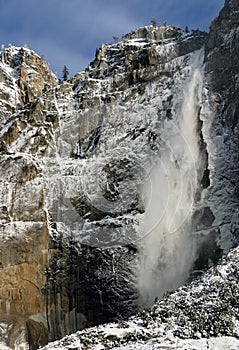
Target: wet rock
pixel 37 334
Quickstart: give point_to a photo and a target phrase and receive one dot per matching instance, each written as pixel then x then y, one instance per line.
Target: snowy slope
pixel 221 343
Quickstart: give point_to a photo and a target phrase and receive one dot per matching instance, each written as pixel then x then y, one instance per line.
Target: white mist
pixel 166 252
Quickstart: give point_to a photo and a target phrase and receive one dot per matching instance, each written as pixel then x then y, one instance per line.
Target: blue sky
pixel 67 32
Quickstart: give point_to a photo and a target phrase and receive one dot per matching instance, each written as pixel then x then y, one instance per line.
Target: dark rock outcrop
pixel 222 65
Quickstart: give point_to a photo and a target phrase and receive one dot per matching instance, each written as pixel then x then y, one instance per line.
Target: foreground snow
pixel 221 343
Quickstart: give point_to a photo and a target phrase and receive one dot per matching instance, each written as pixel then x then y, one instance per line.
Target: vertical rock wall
pixel 220 116
pixel 24 235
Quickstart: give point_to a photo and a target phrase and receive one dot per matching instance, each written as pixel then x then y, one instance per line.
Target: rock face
pixel 221 98
pixel 73 158
pixel 24 234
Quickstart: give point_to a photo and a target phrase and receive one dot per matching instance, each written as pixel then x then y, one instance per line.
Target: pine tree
pixel 154 22
pixel 65 73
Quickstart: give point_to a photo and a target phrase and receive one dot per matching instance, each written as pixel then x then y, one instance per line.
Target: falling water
pixel 166 242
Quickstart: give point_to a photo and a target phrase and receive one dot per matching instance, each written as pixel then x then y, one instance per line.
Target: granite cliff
pixel 74 157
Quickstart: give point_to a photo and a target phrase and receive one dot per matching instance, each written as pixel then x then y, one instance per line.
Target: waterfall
pixel 166 250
